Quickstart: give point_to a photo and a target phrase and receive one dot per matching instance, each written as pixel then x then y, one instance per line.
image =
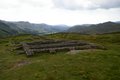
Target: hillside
pixel 16 28
pixel 84 65
pixel 6 30
pixel 41 28
pixel 107 27
pixel 10 28
pixel 29 28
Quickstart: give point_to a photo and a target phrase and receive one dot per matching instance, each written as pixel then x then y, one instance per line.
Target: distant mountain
pixel 14 28
pixel 107 27
pixel 118 22
pixel 41 28
pixel 10 28
pixel 6 30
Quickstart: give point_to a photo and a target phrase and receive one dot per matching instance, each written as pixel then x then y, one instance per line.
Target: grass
pixel 93 65
pixel 110 38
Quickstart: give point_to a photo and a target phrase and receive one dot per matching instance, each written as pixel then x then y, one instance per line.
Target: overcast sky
pixel 69 12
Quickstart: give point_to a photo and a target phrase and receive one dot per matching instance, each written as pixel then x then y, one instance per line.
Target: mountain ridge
pixel 22 27
pixel 101 28
pixel 8 28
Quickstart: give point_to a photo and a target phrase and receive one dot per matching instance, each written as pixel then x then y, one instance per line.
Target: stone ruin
pixel 52 46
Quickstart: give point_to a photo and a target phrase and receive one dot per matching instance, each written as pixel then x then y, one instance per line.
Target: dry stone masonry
pixel 57 45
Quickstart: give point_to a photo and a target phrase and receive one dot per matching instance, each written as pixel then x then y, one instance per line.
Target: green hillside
pixel 8 28
pixel 107 27
pixel 5 30
pixel 85 65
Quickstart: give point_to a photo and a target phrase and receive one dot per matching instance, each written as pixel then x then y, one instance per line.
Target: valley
pixel 8 28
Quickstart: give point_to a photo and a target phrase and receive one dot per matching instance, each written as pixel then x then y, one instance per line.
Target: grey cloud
pixel 86 4
pixel 111 4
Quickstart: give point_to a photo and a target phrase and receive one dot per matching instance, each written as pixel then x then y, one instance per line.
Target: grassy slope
pixel 97 65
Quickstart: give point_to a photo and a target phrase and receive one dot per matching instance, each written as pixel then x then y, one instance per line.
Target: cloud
pixel 70 12
pixel 4 4
pixel 37 3
pixel 65 4
pixel 86 4
pixel 8 4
